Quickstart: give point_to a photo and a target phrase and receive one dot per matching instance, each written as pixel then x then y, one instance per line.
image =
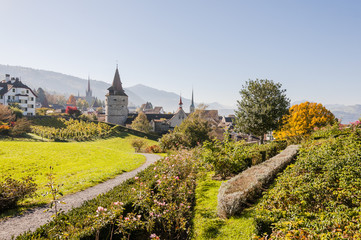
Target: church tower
pixel 88 94
pixel 192 108
pixel 116 102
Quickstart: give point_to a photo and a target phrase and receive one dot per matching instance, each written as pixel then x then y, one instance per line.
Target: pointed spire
pixel 180 101
pixel 88 83
pixel 191 107
pixel 116 88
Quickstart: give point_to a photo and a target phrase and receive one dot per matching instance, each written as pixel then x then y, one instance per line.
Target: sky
pixel 313 48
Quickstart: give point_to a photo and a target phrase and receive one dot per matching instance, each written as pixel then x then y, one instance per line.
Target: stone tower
pixel 116 102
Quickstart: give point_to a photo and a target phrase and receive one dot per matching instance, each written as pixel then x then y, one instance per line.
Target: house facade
pixel 13 91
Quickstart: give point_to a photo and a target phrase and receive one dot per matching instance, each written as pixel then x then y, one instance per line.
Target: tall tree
pixel 42 98
pixel 261 108
pixel 141 123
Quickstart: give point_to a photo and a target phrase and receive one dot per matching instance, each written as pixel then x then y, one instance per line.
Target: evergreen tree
pixel 42 98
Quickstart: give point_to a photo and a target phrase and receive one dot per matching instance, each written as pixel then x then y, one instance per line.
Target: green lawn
pixel 77 165
pixel 206 223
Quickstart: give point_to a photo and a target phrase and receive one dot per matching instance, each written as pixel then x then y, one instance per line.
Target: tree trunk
pixel 262 140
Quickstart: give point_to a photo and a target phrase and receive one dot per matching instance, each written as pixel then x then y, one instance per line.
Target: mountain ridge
pixel 138 94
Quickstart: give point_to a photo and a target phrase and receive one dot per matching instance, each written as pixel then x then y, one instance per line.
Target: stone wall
pixel 235 194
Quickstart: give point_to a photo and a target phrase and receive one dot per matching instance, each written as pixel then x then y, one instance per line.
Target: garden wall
pixel 234 194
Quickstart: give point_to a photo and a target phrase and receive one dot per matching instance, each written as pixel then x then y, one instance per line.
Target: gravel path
pixel 35 218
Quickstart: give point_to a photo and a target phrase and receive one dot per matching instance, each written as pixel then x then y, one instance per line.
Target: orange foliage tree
pixel 303 119
pixel 71 101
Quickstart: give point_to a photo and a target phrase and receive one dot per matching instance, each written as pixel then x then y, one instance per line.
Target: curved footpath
pixel 33 219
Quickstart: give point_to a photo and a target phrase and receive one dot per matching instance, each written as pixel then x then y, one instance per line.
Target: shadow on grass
pixel 20 210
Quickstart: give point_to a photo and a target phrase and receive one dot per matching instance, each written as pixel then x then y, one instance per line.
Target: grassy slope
pixel 206 223
pixel 77 165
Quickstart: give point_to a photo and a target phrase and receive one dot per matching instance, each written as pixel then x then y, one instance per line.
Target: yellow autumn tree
pixel 302 119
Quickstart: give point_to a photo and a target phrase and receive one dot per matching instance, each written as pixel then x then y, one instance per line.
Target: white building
pixel 14 91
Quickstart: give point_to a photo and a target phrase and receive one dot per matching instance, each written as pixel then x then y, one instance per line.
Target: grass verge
pixel 206 223
pixel 77 165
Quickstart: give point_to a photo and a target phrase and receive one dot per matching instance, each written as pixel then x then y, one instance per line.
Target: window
pixel 1 97
pixel 9 97
pixel 26 109
pixel 26 101
pixel 32 99
pixel 27 91
pixel 13 89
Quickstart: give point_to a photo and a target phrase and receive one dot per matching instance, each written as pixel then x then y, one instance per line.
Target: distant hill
pixel 67 84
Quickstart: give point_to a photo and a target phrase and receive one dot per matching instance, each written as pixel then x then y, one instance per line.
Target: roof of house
pixel 150 117
pixel 6 86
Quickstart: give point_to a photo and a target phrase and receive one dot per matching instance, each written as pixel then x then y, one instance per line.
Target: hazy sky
pixel 312 47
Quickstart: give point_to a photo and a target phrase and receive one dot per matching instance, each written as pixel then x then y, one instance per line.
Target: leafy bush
pixel 227 157
pixel 230 157
pixel 319 196
pixel 157 202
pixel 193 131
pixel 12 190
pixel 138 144
pixel 153 149
pixel 21 126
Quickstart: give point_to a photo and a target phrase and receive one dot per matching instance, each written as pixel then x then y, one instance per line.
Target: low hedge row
pixel 156 203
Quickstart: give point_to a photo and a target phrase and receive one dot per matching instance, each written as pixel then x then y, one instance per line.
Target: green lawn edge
pixel 206 223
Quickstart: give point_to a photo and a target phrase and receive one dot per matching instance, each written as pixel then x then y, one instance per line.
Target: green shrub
pixel 138 144
pixel 12 190
pixel 229 157
pixel 319 196
pixel 193 131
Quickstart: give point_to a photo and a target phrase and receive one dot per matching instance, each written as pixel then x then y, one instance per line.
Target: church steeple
pixel 192 108
pixel 88 92
pixel 88 83
pixel 180 101
pixel 116 88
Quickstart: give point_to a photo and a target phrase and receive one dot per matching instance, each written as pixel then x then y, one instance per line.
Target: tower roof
pixel 116 88
pixel 88 84
pixel 192 103
pixel 180 102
